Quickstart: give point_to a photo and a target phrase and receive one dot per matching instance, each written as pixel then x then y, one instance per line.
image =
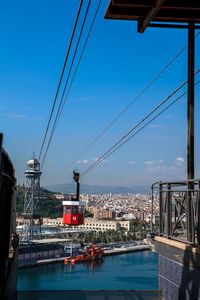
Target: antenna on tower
pixel 31 214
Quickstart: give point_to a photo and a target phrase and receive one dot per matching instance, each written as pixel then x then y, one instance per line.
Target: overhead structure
pixel 150 12
pixel 31 214
pixel 183 14
pixel 166 14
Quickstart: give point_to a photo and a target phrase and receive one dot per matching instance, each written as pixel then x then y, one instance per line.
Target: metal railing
pixel 179 210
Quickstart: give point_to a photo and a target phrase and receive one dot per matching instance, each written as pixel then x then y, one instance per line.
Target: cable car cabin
pixel 73 211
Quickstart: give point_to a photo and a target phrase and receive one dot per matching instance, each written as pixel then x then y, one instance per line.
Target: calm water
pixel 128 271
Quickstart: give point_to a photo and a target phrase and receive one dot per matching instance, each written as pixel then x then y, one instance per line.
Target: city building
pixel 53 222
pixel 104 225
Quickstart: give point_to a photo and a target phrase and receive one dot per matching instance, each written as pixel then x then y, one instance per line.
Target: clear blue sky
pixel 116 66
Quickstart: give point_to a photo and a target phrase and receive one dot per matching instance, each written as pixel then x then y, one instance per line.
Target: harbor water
pixel 136 271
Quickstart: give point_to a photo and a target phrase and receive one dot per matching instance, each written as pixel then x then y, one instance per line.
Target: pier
pixel 114 251
pixel 125 250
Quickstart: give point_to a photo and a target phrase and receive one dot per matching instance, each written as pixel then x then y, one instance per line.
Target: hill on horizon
pixel 98 189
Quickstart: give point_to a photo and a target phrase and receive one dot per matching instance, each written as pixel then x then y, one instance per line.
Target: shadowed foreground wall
pixel 179 270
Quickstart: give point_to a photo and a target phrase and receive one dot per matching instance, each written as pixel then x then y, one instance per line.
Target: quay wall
pixel 47 260
pixel 126 250
pixel 31 255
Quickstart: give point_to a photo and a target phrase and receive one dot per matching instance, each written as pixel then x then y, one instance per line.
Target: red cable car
pixel 73 208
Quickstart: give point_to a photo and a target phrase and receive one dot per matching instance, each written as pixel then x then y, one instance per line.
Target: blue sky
pixel 117 64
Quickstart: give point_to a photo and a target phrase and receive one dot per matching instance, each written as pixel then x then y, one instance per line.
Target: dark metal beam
pixel 174 26
pixel 161 209
pixel 163 15
pixel 169 4
pixel 190 102
pixel 152 200
pixel 169 211
pixel 143 24
pixel 190 132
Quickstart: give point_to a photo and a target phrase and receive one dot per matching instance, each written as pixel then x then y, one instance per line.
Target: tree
pixel 50 206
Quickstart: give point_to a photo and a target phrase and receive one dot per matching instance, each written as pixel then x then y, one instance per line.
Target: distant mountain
pixel 98 189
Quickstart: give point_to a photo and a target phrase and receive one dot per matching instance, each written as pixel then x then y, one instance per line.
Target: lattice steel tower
pixel 32 216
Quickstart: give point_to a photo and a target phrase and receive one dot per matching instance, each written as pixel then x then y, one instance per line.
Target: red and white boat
pixel 91 254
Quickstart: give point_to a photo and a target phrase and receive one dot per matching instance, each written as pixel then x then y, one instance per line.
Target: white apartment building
pixel 91 223
pixel 103 225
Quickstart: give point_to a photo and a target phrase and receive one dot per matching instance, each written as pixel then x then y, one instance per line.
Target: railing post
pixel 169 211
pixel 190 101
pixel 190 132
pixel 161 208
pixel 198 214
pixel 190 213
pixel 152 198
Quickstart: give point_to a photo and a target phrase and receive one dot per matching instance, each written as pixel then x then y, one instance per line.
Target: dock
pixel 114 251
pixel 125 250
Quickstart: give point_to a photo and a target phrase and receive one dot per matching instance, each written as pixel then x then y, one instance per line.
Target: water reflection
pixel 127 271
pixel 89 265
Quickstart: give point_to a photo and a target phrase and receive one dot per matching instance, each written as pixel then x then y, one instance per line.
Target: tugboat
pixel 90 254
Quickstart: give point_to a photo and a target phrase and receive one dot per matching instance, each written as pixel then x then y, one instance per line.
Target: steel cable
pixel 128 106
pixel 61 109
pixel 61 100
pixel 103 156
pixel 63 70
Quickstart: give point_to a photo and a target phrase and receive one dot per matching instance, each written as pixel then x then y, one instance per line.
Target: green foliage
pixel 50 206
pixel 107 237
pixel 88 214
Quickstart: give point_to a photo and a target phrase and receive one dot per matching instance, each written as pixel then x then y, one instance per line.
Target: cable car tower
pixel 73 208
pixel 32 216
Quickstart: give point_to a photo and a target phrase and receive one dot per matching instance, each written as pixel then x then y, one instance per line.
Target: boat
pixel 90 254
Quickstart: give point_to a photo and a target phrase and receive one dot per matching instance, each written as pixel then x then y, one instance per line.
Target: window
pixel 74 209
pixel 81 210
pixel 67 209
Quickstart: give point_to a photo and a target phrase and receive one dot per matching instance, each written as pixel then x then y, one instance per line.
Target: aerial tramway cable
pixel 128 106
pixel 60 109
pixel 140 129
pixel 63 70
pixel 79 59
pixel 113 148
pixel 89 169
pixel 63 93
